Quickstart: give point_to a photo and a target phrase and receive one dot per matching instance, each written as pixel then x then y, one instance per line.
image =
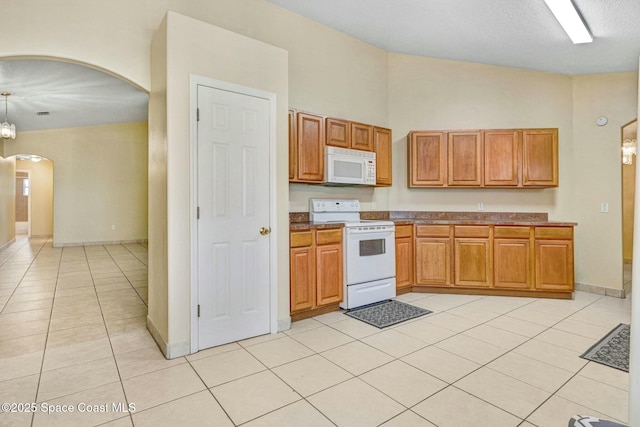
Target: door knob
pixel 264 231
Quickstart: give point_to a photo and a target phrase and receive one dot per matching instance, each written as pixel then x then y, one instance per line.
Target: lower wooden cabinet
pixel 498 260
pixel 303 278
pixel 554 258
pixel 329 285
pixel 316 274
pixel 473 257
pixel 404 256
pixel 512 259
pixel 433 255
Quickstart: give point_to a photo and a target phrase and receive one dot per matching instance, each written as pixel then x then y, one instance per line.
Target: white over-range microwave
pixel 349 167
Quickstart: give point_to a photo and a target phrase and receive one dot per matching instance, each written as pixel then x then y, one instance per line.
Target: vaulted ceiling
pixel 513 33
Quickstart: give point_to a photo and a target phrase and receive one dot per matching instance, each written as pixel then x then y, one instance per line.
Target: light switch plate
pixel 604 207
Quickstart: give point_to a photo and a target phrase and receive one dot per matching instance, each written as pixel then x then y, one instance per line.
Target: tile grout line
pixel 113 354
pixel 125 274
pixel 44 351
pixel 23 274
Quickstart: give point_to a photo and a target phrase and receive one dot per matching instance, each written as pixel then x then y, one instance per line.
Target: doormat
pixel 613 349
pixel 387 313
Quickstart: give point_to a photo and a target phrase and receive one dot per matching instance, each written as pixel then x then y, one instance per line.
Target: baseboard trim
pixel 284 324
pixel 169 351
pixel 105 242
pixel 600 290
pixel 6 245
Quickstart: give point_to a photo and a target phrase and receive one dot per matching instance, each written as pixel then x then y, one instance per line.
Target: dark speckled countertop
pixel 300 220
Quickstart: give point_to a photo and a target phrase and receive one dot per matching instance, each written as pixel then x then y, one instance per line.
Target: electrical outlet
pixel 604 207
pixel 480 206
pixel 373 206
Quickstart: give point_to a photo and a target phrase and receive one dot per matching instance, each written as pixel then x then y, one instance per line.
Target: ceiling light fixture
pixel 567 15
pixel 8 130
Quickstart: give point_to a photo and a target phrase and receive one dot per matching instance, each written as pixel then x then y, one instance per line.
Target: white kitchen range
pixel 369 251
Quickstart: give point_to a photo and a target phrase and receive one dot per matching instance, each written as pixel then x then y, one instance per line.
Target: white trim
pixel 194 82
pixel 28 172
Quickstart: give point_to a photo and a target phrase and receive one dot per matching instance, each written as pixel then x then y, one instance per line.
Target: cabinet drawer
pixel 324 237
pixel 512 232
pixel 554 233
pixel 404 231
pixel 471 231
pixel 300 239
pixel 432 231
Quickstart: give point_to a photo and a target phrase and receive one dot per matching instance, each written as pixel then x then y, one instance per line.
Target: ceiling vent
pixel 43 113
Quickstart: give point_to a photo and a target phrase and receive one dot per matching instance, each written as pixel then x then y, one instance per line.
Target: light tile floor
pixel 72 332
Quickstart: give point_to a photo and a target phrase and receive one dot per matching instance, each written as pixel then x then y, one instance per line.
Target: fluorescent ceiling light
pixel 568 17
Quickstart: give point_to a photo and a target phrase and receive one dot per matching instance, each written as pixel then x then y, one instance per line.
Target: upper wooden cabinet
pixel 382 145
pixel 310 133
pixel 483 158
pixel 464 156
pixel 501 159
pixel 361 136
pixel 338 133
pixel 427 159
pixel 310 148
pixel 540 157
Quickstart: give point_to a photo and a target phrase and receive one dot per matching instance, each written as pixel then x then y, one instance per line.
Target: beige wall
pixel 427 93
pixel 628 195
pixel 598 173
pixel 182 47
pixel 99 180
pixel 7 200
pixel 41 195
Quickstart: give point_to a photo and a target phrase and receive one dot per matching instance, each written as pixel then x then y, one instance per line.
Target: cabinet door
pixel 382 147
pixel 361 137
pixel 404 256
pixel 329 285
pixel 302 278
pixel 501 157
pixel 512 263
pixel 338 133
pixel 473 262
pixel 540 157
pixel 293 148
pixel 433 261
pixel 464 158
pixel 310 137
pixel 427 159
pixel 554 265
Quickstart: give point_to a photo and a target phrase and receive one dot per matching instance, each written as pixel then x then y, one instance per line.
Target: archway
pixel 93 125
pixel 34 196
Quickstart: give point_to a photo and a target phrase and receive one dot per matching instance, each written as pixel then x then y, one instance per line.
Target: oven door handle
pixel 389 230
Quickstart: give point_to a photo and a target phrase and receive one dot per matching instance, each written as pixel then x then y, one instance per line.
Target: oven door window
pixel 372 247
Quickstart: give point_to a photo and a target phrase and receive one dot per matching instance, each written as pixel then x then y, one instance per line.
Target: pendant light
pixel 7 130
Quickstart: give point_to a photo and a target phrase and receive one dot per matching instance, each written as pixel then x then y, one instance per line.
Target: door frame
pixel 28 172
pixel 194 82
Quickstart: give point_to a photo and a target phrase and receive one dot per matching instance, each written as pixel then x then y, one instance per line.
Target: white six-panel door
pixel 233 201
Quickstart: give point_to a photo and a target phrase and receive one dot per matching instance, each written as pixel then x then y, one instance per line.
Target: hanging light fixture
pixel 628 151
pixel 7 130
